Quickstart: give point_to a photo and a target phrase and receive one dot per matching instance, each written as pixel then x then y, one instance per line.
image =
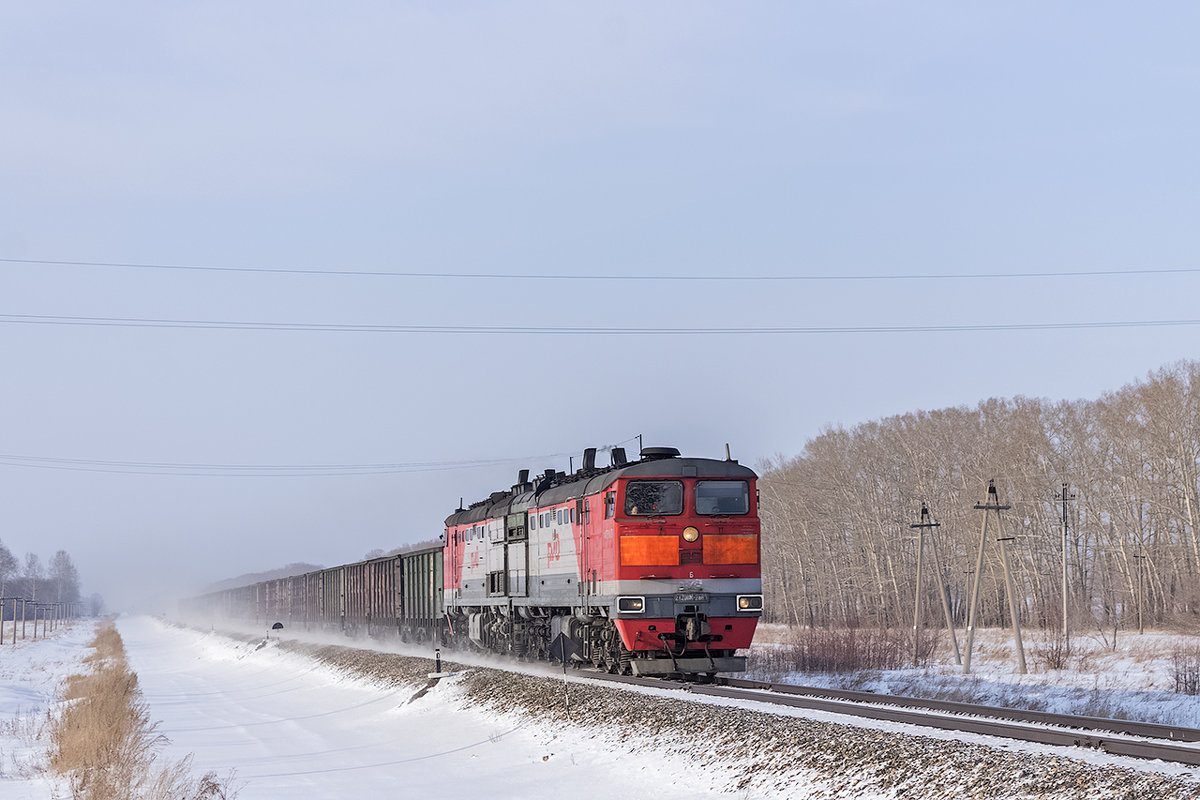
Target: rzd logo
pixel 553 549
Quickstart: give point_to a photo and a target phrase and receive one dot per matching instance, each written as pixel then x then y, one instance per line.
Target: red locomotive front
pixel 649 567
pixel 686 565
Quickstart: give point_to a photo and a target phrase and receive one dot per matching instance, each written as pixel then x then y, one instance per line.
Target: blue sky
pixel 681 139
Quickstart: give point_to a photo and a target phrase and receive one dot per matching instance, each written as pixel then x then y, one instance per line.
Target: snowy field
pixel 288 722
pixel 31 673
pixel 291 728
pixel 1133 680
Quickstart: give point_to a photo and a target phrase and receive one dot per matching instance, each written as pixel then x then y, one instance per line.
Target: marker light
pixel 690 534
pixel 631 605
pixel 749 602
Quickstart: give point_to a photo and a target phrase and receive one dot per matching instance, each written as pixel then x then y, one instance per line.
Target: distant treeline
pixel 57 582
pixel 838 548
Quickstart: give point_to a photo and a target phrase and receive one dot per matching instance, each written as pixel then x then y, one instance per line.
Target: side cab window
pixel 610 502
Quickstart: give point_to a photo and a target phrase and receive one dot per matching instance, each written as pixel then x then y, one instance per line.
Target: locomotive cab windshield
pixel 722 497
pixel 653 498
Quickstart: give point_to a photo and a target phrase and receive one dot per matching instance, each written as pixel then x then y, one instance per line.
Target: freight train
pixel 647 567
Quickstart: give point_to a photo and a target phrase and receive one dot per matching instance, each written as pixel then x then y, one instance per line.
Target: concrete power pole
pixel 921 526
pixel 917 598
pixel 992 503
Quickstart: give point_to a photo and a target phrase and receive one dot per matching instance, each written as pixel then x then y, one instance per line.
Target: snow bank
pixel 31 673
pixel 338 721
pixel 1132 680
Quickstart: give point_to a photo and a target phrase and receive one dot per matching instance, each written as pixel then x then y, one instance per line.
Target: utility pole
pixel 944 592
pixel 975 584
pixel 992 503
pixel 1064 496
pixel 1012 600
pixel 921 526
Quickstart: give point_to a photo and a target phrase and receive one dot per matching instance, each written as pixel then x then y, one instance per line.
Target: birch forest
pixel 838 549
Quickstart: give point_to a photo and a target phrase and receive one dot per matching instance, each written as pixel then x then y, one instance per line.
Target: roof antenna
pixel 727 456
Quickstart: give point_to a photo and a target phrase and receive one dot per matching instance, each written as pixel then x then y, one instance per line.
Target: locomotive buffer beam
pixel 663 666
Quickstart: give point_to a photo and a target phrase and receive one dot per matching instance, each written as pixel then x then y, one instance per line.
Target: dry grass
pixel 839 650
pixel 1185 669
pixel 1053 653
pixel 107 745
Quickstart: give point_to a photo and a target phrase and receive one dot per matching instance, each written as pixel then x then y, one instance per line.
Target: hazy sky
pixel 567 139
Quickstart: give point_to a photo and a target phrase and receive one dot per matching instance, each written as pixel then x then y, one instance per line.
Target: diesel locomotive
pixel 646 567
pixel 649 567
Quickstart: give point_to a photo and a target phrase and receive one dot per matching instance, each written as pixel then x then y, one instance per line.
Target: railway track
pixel 1129 738
pixel 1118 737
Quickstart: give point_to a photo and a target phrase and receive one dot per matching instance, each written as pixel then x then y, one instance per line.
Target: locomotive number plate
pixel 691 597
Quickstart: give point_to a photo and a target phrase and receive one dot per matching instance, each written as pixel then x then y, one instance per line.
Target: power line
pixel 137 322
pixel 264 470
pixel 537 276
pixel 418 465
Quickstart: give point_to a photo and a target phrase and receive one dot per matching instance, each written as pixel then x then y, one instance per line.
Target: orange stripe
pixel 730 549
pixel 646 551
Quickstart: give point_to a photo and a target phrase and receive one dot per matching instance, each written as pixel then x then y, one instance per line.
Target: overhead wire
pixel 572 330
pixel 604 276
pixel 226 470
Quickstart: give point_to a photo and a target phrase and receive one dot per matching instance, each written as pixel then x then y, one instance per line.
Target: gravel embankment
pixel 753 751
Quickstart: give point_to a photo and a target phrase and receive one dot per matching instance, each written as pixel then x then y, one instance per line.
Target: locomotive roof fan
pixel 656 453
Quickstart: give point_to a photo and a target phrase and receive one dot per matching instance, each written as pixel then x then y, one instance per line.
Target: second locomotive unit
pixel 648 567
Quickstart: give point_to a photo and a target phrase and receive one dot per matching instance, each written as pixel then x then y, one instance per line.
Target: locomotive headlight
pixel 749 602
pixel 690 534
pixel 631 605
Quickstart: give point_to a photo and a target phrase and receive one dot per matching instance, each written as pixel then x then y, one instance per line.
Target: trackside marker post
pixel 564 648
pixel 437 665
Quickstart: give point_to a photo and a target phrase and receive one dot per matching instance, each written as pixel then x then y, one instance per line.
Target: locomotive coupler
pixel 694 627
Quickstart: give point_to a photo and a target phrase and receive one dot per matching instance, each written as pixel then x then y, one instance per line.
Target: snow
pixel 991 668
pixel 1131 681
pixel 31 673
pixel 289 728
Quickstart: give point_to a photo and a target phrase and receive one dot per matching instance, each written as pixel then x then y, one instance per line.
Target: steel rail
pixel 1133 728
pixel 1074 731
